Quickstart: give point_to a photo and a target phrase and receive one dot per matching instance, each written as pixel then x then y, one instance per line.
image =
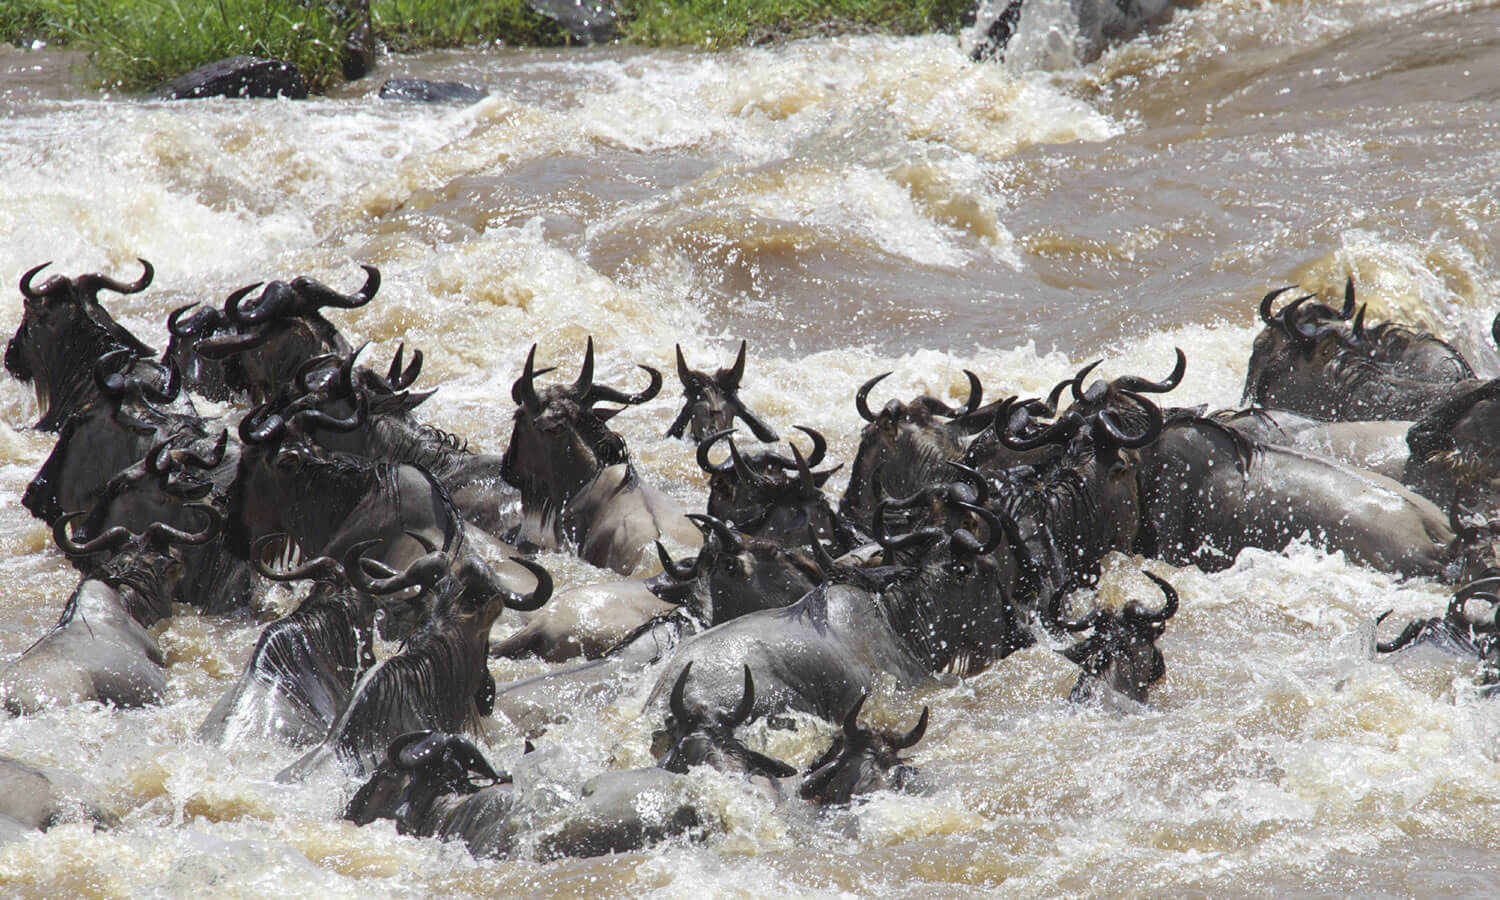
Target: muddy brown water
pixel 849 206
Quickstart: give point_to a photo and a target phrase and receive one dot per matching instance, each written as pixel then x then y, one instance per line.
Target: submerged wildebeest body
pixel 34 799
pixel 1207 493
pixel 102 648
pixel 439 680
pixel 1455 452
pixel 1379 447
pixel 712 402
pixel 1457 633
pixel 578 487
pixel 304 665
pixel 1099 23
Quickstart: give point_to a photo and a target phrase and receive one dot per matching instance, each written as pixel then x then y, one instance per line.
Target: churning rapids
pixel 849 206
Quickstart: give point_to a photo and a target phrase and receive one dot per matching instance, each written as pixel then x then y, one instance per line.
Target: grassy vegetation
pixel 137 44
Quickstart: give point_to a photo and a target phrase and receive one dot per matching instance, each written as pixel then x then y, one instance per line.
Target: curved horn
pixel 974 477
pixel 400 379
pixel 27 291
pixel 861 397
pixel 601 393
pixel 1265 305
pixel 163 534
pixel 318 567
pixel 911 737
pixel 1169 609
pixel 539 595
pixel 741 713
pixel 1357 333
pixel 1145 386
pixel 684 372
pixel 679 571
pixel 586 371
pixel 727 538
pixel 743 470
pixel 1348 309
pixel 1108 422
pixel 424 571
pixel 523 391
pixel 730 379
pixel 275 301
pixel 679 690
pixel 93 282
pixel 1076 385
pixel 703 447
pixel 320 295
pixel 109 540
pixel 1058 432
pixel 819 447
pixel 851 719
pixel 997 529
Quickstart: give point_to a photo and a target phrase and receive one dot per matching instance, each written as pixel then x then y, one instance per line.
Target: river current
pixel 849 206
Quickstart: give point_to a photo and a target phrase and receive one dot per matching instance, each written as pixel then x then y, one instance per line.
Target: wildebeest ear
pixel 761 764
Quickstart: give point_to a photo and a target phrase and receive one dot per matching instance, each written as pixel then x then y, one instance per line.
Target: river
pixel 848 205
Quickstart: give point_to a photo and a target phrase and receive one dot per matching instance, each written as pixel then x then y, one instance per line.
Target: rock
pixel 423 91
pixel 238 76
pixel 588 21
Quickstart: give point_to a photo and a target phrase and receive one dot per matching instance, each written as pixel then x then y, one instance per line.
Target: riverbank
pixel 138 44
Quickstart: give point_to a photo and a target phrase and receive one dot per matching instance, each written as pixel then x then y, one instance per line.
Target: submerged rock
pixel 238 76
pixel 421 90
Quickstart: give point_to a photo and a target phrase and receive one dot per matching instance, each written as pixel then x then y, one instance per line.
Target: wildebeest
pixel 304 665
pixel 861 761
pixel 280 331
pixel 1208 492
pixel 906 623
pixel 1120 653
pixel 1312 359
pixel 34 799
pixel 712 402
pixel 768 495
pixel 439 680
pixel 579 489
pixel 64 331
pixel 1455 454
pixel 101 648
pixel 1457 632
pixel 911 442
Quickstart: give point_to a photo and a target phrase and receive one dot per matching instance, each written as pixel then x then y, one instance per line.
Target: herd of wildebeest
pixel 960 538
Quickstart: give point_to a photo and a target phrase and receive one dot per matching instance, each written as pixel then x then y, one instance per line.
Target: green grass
pixel 138 44
pixel 719 24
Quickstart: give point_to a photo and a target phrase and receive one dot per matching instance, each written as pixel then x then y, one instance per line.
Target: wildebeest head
pixel 769 495
pixel 141 566
pixel 861 761
pixel 1087 496
pixel 711 403
pixel 734 573
pixel 109 433
pixel 281 331
pixel 187 326
pixel 64 330
pixel 955 599
pixel 418 768
pixel 698 737
pixel 1121 652
pixel 466 594
pixel 1454 456
pixel 560 439
pixel 911 441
